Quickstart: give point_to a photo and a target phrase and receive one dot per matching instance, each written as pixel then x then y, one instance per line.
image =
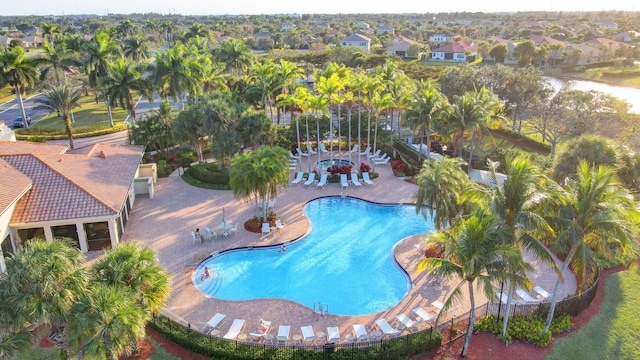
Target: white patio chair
pixel 375 154
pixel 297 157
pixel 210 234
pixel 266 229
pixel 279 224
pixel 355 149
pixel 366 179
pixel 355 181
pixel 234 229
pixel 310 150
pixel 300 153
pixel 366 151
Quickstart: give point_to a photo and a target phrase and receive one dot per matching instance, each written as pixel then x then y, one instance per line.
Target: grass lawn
pixel 6 94
pixel 614 332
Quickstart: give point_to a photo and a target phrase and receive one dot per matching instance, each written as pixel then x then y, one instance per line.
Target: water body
pixel 631 95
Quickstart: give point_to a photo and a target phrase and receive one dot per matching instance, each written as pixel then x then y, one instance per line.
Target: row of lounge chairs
pixel 309 336
pixel 344 182
pixel 322 148
pixel 525 297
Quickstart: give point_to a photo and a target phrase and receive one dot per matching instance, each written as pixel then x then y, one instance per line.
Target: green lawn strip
pixel 6 94
pixel 614 331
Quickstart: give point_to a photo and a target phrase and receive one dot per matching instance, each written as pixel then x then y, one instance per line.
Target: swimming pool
pixel 345 262
pixel 325 164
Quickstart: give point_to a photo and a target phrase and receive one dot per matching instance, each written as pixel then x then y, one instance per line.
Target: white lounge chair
pixel 234 229
pixel 258 334
pixel 366 151
pixel 196 238
pixel 355 149
pixel 214 322
pixel 298 178
pixel 323 181
pixel 422 314
pixel 525 296
pixel 310 180
pixel 355 181
pixel 365 179
pixel 383 162
pixel 308 334
pixel 297 157
pixel 322 148
pixel 333 334
pixel 408 323
pixel 544 294
pixel 360 332
pixel 283 334
pixel 503 298
pixel 300 153
pixel 343 181
pixel 310 150
pixel 266 229
pixel 381 158
pixel 386 328
pixel 279 224
pixel 210 234
pixel 374 155
pixel 234 330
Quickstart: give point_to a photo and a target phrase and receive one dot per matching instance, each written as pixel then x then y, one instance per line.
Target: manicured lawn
pixel 6 94
pixel 614 332
pixel 88 114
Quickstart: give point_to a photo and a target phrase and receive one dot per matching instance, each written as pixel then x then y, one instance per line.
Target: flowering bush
pixel 398 168
pixel 364 167
pixel 335 169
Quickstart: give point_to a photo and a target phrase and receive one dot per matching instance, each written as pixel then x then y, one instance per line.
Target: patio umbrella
pixel 224 221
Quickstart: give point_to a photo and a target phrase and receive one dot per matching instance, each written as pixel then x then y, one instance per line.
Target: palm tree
pixel 58 58
pixel 175 73
pixel 258 174
pixel 154 130
pixel 195 30
pixel 261 75
pixel 330 88
pixel 62 99
pixel 42 284
pixel 19 71
pixel 122 78
pixel 107 320
pixel 100 52
pixel 49 31
pixel 474 251
pixel 135 48
pixel 598 215
pixel 190 127
pixel 426 106
pixel 284 78
pixel 440 185
pixel 235 54
pixel 137 269
pixel 126 29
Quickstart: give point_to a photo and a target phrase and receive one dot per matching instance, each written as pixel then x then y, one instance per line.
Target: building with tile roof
pixel 85 195
pixel 356 40
pixel 456 51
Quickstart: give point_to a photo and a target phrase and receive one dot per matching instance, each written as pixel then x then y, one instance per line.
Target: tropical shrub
pixel 364 167
pixel 527 328
pixel 398 168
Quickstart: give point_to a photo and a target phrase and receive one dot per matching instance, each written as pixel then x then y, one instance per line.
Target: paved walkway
pixel 165 222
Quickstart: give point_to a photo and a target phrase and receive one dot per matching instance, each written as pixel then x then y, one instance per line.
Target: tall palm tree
pixel 330 88
pixel 474 251
pixel 426 106
pixel 62 99
pixel 100 52
pixel 261 76
pixel 490 109
pixel 235 54
pixel 135 48
pixel 258 175
pixel 50 31
pixel 440 186
pixel 122 78
pixel 195 30
pixel 598 215
pixel 175 73
pixel 58 58
pixel 284 79
pixel 20 72
pixel 190 127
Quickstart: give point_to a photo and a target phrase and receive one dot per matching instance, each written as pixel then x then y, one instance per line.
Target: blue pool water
pixel 325 164
pixel 346 260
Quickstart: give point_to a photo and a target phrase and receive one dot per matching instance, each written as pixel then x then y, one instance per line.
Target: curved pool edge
pixel 394 257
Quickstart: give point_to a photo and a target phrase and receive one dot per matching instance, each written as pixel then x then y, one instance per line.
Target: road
pixel 10 110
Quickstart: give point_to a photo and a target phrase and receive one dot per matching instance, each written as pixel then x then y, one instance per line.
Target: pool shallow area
pixel 323 165
pixel 345 262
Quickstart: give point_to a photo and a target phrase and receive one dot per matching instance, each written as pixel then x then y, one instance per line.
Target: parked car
pixel 19 123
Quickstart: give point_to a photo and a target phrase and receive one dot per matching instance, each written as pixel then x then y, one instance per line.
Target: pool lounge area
pixel 165 222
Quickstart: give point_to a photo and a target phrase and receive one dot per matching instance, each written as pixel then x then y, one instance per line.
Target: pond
pixel 631 95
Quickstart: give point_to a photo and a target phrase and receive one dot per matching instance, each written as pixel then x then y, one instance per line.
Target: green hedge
pixel 78 132
pixel 526 139
pixel 215 348
pixel 528 328
pixel 205 175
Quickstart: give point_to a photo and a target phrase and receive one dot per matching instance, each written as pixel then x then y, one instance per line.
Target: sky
pixel 235 7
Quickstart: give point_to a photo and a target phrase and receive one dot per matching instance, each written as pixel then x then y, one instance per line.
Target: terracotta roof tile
pixel 15 184
pixel 24 147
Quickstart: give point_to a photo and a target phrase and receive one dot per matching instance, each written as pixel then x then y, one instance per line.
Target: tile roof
pixel 356 37
pixel 25 147
pixel 69 186
pixel 15 184
pixel 457 47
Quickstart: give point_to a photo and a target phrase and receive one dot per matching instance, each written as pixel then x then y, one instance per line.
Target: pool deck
pixel 165 223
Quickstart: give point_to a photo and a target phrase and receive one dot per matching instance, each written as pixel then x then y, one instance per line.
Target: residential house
pixel 509 59
pixel 456 51
pixel 84 195
pixel 608 46
pixel 5 42
pixel 544 40
pixel 33 42
pixel 287 27
pixel 401 45
pixel 605 24
pixel 627 36
pixel 384 29
pixel 356 40
pixel 588 53
pixel 262 35
pixel 362 25
pixel 442 37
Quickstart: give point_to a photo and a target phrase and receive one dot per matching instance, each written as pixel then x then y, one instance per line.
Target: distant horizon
pixel 284 7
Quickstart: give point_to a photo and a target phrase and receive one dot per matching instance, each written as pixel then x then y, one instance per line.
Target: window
pixel 98 237
pixel 67 231
pixel 27 234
